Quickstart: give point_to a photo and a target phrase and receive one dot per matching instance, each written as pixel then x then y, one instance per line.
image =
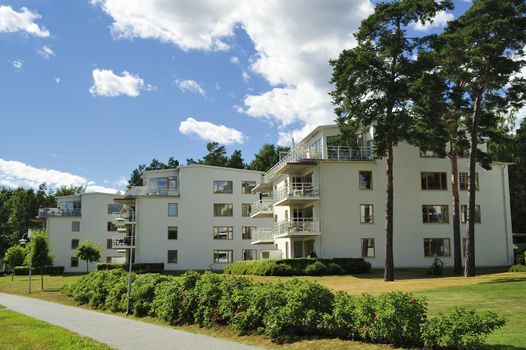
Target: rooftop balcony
pixel 137 191
pixel 122 242
pixel 57 212
pixel 299 227
pixel 263 235
pixel 296 194
pixel 262 208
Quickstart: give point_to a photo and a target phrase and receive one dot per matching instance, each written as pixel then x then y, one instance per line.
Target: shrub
pixel 517 268
pixel 335 269
pixel 174 300
pixel 207 294
pixel 117 296
pixel 235 298
pixel 48 270
pixel 138 268
pixel 143 291
pixel 93 288
pixel 364 317
pixel 460 328
pixel 342 322
pixel 317 269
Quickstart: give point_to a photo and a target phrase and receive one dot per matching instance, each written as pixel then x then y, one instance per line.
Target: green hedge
pixel 50 270
pixel 299 267
pixel 284 311
pixel 138 268
pixel 517 268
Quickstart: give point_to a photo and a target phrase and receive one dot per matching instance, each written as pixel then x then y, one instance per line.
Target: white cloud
pixel 23 21
pixel 107 83
pixel 234 60
pixel 57 80
pixel 245 76
pixel 211 132
pixel 46 52
pixel 190 86
pixel 17 174
pixel 440 20
pixel 293 40
pixel 17 64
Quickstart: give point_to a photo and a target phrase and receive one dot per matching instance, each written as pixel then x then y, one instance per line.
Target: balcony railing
pixel 122 242
pixel 52 212
pixel 346 153
pixel 127 216
pixel 152 191
pixel 261 206
pixel 302 190
pixel 263 235
pixel 299 225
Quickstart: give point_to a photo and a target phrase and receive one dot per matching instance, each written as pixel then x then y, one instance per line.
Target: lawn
pixel 22 332
pixel 501 292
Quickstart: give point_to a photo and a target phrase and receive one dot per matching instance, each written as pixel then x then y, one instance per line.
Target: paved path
pixel 117 332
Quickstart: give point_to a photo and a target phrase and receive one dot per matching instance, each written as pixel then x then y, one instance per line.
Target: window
pixel 173 209
pixel 434 181
pixel 74 243
pixel 75 226
pixel 367 247
pixel 74 261
pixel 247 186
pixel 436 214
pixel 223 209
pixel 245 209
pixel 463 181
pixel 172 257
pixel 428 154
pixel 114 208
pixel 249 254
pixel 436 247
pixel 222 186
pixel 246 232
pixel 223 256
pixel 464 246
pixel 366 180
pixel 162 185
pixel 366 214
pixel 172 232
pixel 464 214
pixel 109 244
pixel 111 226
pixel 223 232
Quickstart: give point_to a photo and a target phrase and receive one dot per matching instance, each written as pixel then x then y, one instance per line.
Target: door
pixel 298 249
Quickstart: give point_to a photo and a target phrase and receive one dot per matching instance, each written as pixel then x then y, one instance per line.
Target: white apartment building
pixel 329 199
pixel 193 217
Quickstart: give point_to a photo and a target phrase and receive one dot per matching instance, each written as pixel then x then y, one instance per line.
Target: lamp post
pixel 121 227
pixel 23 242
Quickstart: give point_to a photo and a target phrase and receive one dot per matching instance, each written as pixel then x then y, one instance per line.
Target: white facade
pixel 317 205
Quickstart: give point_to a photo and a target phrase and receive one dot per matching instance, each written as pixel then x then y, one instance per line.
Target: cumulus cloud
pixel 440 20
pixel 234 60
pixel 190 86
pixel 211 132
pixel 22 21
pixel 293 41
pixel 46 52
pixel 17 174
pixel 17 64
pixel 106 83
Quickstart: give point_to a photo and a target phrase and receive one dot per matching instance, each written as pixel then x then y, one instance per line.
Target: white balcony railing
pixel 122 242
pixel 261 206
pixel 302 190
pixel 152 191
pixel 262 235
pixel 51 212
pixel 346 153
pixel 297 225
pixel 127 216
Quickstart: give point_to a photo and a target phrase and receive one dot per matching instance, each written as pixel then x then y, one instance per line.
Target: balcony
pixel 261 208
pixel 122 242
pixel 165 191
pixel 263 235
pixel 57 212
pixel 299 227
pixel 296 194
pixel 346 153
pixel 126 217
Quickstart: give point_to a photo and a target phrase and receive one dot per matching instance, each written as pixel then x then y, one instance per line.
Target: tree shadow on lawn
pixel 422 273
pixel 501 347
pixel 506 280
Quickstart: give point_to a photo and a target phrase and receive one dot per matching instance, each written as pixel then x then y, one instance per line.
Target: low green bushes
pixel 517 268
pixel 299 267
pixel 48 270
pixel 283 311
pixel 137 267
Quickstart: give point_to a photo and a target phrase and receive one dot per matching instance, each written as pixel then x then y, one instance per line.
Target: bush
pixel 235 298
pixel 93 288
pixel 48 270
pixel 117 296
pixel 342 322
pixel 517 268
pixel 460 328
pixel 174 300
pixel 317 269
pixel 208 293
pixel 143 291
pixel 138 268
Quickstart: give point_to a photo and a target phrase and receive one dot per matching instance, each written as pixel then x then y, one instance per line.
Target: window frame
pixel 111 227
pixel 215 189
pixel 230 207
pixel 168 256
pixel 230 256
pixel 464 214
pixel 370 172
pixel 216 231
pixel 243 209
pixel 73 226
pixel 430 240
pixel 112 211
pixel 362 221
pixel 244 186
pixel 176 209
pixel 368 247
pixel 109 243
pixel 465 175
pixel 76 241
pixel 442 221
pixel 74 261
pixel 176 233
pixel 244 233
pixel 243 251
pixel 443 181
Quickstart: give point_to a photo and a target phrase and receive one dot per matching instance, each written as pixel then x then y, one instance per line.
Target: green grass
pixel 21 332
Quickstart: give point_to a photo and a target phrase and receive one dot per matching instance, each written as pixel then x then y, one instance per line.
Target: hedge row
pixel 299 267
pixel 285 310
pixel 517 268
pixel 137 267
pixel 49 270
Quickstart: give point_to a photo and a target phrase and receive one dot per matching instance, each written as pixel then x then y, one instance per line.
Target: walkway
pixel 115 331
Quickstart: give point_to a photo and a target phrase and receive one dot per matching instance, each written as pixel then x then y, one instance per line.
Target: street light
pixel 23 242
pixel 121 227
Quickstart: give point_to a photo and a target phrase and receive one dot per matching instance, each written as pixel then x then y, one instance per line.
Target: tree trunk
pixel 42 279
pixel 457 247
pixel 469 270
pixel 13 276
pixel 389 263
pixel 87 266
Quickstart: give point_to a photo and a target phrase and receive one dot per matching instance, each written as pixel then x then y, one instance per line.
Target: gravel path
pixel 117 332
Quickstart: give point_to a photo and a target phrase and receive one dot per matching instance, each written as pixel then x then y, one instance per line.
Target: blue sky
pixel 91 89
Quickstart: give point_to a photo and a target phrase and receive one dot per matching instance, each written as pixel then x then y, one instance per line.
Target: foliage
pixel 117 296
pixel 342 321
pixel 317 269
pixel 89 251
pixel 235 298
pixel 14 257
pixel 460 328
pixel 69 190
pixel 208 294
pixel 143 291
pixel 137 267
pixel 267 156
pixel 436 267
pixel 137 175
pixel 517 268
pixel 38 252
pixel 48 270
pixel 93 289
pixel 217 157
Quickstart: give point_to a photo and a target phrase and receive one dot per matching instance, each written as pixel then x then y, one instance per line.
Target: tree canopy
pixel 267 156
pixel 217 156
pixel 137 175
pixel 89 251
